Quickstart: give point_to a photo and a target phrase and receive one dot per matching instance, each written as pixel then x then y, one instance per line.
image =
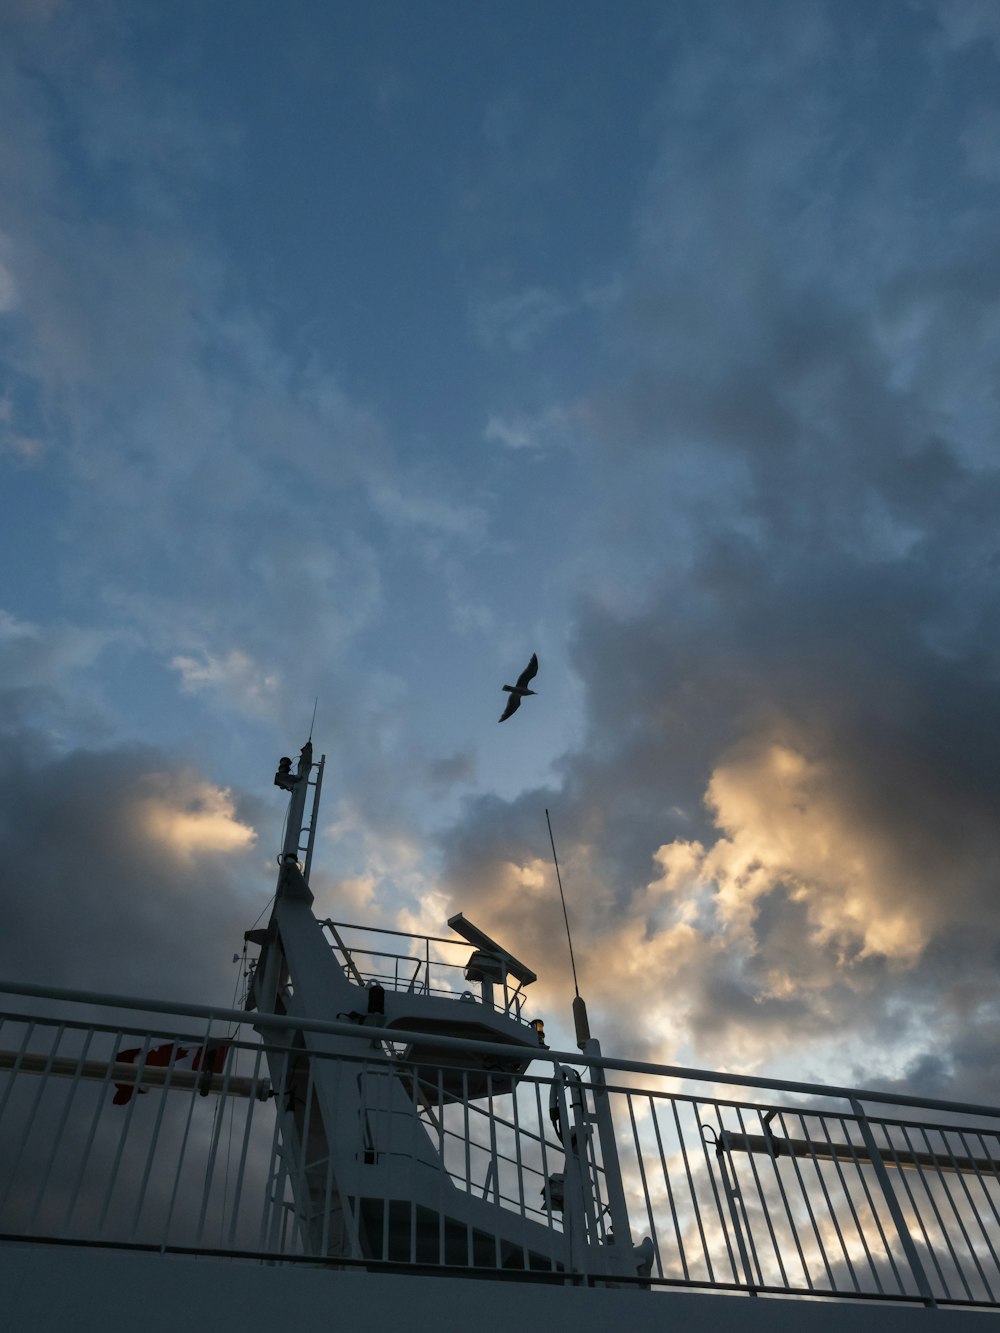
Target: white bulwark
pixel 381 1134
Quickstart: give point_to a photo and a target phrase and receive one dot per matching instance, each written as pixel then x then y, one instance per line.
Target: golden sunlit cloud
pixel 786 825
pixel 196 819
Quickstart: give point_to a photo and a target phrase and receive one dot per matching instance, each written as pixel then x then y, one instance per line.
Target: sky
pixel 349 354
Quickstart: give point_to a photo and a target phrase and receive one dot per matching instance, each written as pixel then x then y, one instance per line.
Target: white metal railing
pixel 740 1184
pixel 417 964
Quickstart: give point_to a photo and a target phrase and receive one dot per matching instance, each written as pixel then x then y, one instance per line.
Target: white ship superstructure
pixel 381 1133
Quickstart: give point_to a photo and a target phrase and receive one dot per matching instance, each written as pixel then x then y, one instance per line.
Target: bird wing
pixel 513 704
pixel 529 673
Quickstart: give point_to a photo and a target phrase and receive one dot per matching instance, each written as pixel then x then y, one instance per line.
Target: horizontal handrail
pixel 334 1027
pixel 403 934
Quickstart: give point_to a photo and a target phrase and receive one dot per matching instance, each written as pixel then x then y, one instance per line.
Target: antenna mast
pixel 562 897
pixel 580 1021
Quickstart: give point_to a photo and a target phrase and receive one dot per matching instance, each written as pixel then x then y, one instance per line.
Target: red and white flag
pixel 210 1057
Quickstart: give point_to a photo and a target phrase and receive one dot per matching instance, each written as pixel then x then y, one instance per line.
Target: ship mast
pixel 364 1116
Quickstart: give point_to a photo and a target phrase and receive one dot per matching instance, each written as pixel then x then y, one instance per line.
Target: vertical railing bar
pixel 328 1178
pixel 348 1203
pixel 805 1198
pixel 694 1194
pixel 789 1214
pixel 364 1072
pixel 373 1147
pixel 737 1209
pixel 305 1207
pixel 821 1116
pixel 803 1191
pixel 78 1079
pixel 958 1216
pixel 390 1151
pixel 495 1164
pixel 715 1189
pixel 859 1229
pixel 215 1136
pixel 949 1246
pixel 140 1066
pixel 88 1146
pixel 670 1194
pixel 57 1136
pixel 31 1119
pixel 546 1199
pixel 384 1091
pixel 918 1216
pixel 985 1189
pixel 895 1211
pixel 887 1247
pixel 973 1205
pixel 519 1161
pixel 29 1032
pixel 642 1176
pixel 180 1159
pixel 245 1148
pixel 226 1179
pixel 468 1165
pixel 829 1203
pixel 763 1207
pixel 154 1139
pixel 12 1076
pixel 414 1129
pixel 987 1154
pixel 444 1175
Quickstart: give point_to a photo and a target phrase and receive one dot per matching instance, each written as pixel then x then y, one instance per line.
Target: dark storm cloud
pixel 782 813
pixel 451 770
pixel 122 872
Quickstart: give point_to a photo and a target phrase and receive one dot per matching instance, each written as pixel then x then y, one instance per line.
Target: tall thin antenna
pixel 562 896
pixel 313 722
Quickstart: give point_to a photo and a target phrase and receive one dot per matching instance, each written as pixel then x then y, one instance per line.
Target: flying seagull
pixel 518 691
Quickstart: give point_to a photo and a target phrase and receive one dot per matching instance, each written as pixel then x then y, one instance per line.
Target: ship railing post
pixel 892 1201
pixel 574 1214
pixel 613 1184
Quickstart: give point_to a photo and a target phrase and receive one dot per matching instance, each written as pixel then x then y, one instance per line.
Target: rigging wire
pixel 261 912
pixel 562 896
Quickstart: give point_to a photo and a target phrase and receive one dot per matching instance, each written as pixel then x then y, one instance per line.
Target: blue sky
pixel 357 352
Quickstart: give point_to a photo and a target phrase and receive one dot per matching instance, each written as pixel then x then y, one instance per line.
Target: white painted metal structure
pixel 358 1195
pixel 370 1134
